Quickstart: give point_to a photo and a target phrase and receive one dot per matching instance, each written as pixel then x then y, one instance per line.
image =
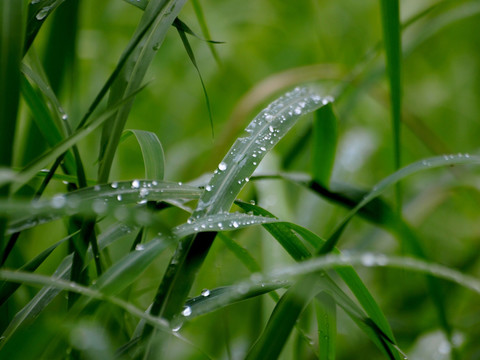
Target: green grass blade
pixel 379 188
pixel 327 326
pixel 263 133
pixel 283 319
pixel 31 170
pixel 281 232
pixel 160 14
pixel 12 29
pixel 96 200
pixel 152 151
pixel 197 7
pixel 324 144
pixel 181 31
pixel 7 289
pixel 38 12
pixel 393 48
pixel 45 121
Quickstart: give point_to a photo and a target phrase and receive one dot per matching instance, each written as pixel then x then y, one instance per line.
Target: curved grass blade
pixel 181 31
pixel 152 151
pixel 197 7
pixel 379 188
pixel 324 144
pixel 160 14
pixel 263 133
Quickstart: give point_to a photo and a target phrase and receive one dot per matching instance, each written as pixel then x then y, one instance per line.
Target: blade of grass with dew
pixel 125 271
pixel 152 152
pixel 263 133
pixel 38 12
pixel 96 200
pixel 12 17
pixel 325 307
pixel 324 144
pixel 160 14
pixel 390 14
pixel 181 31
pixel 30 170
pixel 380 187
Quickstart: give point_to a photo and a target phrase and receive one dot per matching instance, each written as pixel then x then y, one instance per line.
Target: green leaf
pixel 152 151
pixel 324 144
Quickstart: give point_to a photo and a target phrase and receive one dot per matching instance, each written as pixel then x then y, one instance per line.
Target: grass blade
pixel 327 326
pixel 160 14
pixel 232 174
pixel 12 29
pixel 152 151
pixel 324 144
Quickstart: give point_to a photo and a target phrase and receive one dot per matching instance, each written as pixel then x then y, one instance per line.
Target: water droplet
pixel 271 129
pixel 222 166
pixel 58 201
pixel 42 14
pixel 247 179
pixel 35 2
pixel 263 148
pixel 208 188
pixel 96 188
pixel 235 224
pixel 177 327
pixel 205 292
pixel 99 206
pixel 114 185
pixel 139 247
pixel 64 117
pixel 368 259
pixel 143 192
pixel 135 184
pixel 119 197
pixel 467 155
pixel 189 221
pixel 298 110
pixel 187 311
pixel 269 117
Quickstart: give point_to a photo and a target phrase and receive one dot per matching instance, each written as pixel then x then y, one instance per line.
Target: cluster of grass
pixel 131 227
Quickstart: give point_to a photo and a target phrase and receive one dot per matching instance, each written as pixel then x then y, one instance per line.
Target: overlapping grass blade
pixel 324 144
pixel 48 293
pixel 206 33
pixel 263 133
pixel 377 320
pixel 160 14
pixel 96 200
pixel 31 170
pixel 152 151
